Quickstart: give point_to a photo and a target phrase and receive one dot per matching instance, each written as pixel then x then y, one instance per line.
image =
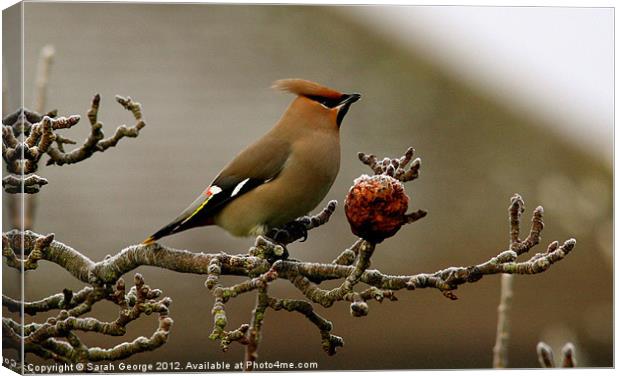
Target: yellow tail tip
pixel 148 241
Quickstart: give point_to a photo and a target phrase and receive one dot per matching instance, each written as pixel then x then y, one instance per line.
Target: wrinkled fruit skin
pixel 375 207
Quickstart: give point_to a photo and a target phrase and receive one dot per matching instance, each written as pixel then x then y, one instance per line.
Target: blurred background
pixel 495 101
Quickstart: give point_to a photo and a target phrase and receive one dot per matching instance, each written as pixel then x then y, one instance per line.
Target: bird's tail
pixel 186 220
pixel 169 229
pixel 150 240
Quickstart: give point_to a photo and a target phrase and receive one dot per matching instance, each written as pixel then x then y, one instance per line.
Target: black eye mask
pixel 327 102
pixel 345 101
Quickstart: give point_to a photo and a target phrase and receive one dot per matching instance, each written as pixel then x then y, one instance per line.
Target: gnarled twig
pixel 56 338
pixel 95 141
pixel 264 263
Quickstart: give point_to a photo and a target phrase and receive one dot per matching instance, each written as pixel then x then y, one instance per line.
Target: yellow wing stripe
pixel 197 210
pixel 210 192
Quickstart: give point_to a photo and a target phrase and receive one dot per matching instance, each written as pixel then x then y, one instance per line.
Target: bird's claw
pixel 289 232
pixel 297 227
pixel 278 235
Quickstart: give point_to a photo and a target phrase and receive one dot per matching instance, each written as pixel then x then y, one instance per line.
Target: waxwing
pixel 283 175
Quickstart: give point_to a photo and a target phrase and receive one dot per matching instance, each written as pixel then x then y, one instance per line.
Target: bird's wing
pixel 258 164
pixel 219 193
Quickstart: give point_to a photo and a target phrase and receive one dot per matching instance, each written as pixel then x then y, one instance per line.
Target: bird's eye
pixel 326 102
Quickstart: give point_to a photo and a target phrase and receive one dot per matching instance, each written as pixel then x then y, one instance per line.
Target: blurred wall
pixel 555 63
pixel 202 73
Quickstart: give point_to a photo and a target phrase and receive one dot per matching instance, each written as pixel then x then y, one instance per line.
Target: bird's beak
pixel 343 106
pixel 348 99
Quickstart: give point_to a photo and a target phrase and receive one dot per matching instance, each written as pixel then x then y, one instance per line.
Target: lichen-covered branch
pixel 266 261
pixel 394 167
pixel 256 323
pixel 56 338
pixel 329 341
pixel 27 136
pixel 502 335
pixel 96 141
pixel 515 210
pixel 303 275
pixel 328 297
pixel 17 184
pixel 219 312
pixel 38 132
pixel 348 256
pixel 298 229
pixel 64 300
pixel 109 270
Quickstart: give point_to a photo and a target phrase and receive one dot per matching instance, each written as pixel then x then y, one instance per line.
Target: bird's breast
pixel 304 181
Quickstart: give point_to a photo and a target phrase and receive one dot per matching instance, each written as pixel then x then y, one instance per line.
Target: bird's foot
pixel 297 229
pixel 291 231
pixel 277 235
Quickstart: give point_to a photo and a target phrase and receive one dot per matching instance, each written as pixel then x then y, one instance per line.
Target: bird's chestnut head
pixel 318 104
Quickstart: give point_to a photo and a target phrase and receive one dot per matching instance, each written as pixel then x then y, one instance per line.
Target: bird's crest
pixel 305 88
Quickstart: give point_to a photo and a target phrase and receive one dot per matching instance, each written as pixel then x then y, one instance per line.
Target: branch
pixel 219 313
pixel 299 228
pixel 132 257
pixel 21 121
pixel 329 341
pixel 56 301
pixel 254 334
pixel 500 350
pixel 19 184
pixel 22 157
pixel 515 210
pixel 348 256
pixel 265 262
pixel 41 137
pixel 299 273
pixel 56 338
pixel 444 280
pixel 394 167
pixel 294 273
pixel 95 141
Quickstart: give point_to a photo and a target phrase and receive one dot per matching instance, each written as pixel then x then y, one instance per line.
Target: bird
pixel 280 177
